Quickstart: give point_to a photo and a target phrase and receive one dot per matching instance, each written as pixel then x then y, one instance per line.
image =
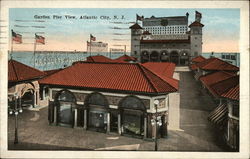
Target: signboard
pixel 97 47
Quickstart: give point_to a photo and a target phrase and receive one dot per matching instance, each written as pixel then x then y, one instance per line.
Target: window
pixel 233 57
pixel 223 56
pixel 227 56
pixel 135 52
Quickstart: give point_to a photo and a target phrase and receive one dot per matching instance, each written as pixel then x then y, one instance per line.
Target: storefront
pixel 98 113
pixel 133 113
pixel 65 103
pixel 126 106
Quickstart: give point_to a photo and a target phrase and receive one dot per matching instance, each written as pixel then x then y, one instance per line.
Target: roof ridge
pixel 223 81
pixel 14 68
pixel 225 62
pixel 26 65
pixel 170 63
pixel 143 72
pixel 160 76
pixel 62 69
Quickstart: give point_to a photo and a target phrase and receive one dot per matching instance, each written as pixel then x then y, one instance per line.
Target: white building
pixel 167 39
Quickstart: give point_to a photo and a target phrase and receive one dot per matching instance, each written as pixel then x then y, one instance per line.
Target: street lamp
pixel 156 103
pixel 15 111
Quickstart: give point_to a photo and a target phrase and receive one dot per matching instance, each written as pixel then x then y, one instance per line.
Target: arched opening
pixel 132 116
pixel 164 56
pixel 144 56
pixel 65 102
pixel 184 58
pixel 154 56
pixel 97 112
pixel 174 57
pixel 28 98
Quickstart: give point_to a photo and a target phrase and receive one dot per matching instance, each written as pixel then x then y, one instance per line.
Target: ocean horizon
pixel 49 60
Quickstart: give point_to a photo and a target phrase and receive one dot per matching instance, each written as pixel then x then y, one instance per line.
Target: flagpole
pixel 11 51
pixel 35 51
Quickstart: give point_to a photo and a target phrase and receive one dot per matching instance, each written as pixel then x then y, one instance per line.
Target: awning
pixel 219 115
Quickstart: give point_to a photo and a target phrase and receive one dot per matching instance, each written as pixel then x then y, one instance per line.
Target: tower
pixel 136 32
pixel 196 36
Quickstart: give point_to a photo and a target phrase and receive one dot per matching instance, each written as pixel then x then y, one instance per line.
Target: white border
pixel 244 78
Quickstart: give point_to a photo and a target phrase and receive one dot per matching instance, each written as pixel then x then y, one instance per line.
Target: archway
pixel 174 57
pixel 164 56
pixel 154 56
pixel 98 114
pixel 27 98
pixel 184 58
pixel 65 102
pixel 132 116
pixel 144 56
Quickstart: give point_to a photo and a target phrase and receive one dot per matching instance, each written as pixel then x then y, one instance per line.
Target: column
pixel 55 115
pixel 108 122
pixel 145 127
pixel 44 93
pixel 34 99
pixel 37 98
pixel 85 119
pixel 119 124
pixel 75 120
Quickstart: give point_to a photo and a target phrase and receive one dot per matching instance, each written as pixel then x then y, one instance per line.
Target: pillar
pixel 44 93
pixel 85 119
pixel 119 124
pixel 108 122
pixel 145 127
pixel 34 105
pixel 55 115
pixel 75 119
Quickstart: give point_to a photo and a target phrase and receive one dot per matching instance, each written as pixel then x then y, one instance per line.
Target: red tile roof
pixel 195 23
pixel 193 67
pixel 126 58
pixel 20 72
pixel 101 58
pixel 216 65
pixel 161 68
pixel 198 59
pixel 98 58
pixel 215 77
pixel 232 93
pixel 228 88
pixel 50 72
pixel 112 76
pixel 135 26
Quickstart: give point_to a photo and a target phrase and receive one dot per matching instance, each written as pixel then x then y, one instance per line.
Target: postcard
pixel 124 79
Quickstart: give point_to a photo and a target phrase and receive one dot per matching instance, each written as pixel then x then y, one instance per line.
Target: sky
pixel 220 33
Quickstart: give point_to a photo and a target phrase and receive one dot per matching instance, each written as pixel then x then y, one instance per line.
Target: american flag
pixel 139 17
pixel 92 38
pixel 40 39
pixel 16 37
